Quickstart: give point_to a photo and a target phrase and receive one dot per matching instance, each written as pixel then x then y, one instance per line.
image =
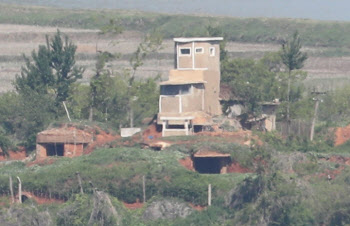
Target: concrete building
pixel 190 97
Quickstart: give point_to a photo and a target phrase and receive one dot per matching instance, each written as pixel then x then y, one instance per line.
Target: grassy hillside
pixel 286 186
pixel 314 33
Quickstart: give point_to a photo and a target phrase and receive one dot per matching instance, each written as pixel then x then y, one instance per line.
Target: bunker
pixel 68 142
pixel 210 162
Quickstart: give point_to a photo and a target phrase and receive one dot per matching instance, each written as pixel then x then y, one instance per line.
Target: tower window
pixel 212 51
pixel 185 51
pixel 199 50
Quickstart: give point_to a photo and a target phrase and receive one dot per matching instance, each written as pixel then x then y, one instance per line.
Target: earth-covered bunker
pixel 68 142
pixel 210 162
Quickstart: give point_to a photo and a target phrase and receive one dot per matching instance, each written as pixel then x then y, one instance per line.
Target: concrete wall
pixel 73 150
pixel 211 93
pixel 191 102
pixel 212 76
pixel 70 150
pixel 128 132
pixel 169 104
pixel 40 151
pixel 184 61
pixel 199 60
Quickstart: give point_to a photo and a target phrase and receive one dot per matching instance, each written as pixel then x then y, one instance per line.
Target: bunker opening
pixel 24 198
pixel 54 149
pixel 211 163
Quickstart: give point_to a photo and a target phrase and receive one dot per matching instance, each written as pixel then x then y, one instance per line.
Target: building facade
pixel 190 97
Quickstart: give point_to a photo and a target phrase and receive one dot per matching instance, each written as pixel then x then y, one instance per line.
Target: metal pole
pixel 314 120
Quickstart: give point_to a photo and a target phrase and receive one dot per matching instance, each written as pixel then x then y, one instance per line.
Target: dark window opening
pixel 210 165
pixel 197 129
pixel 54 149
pixel 185 51
pixel 173 90
pixel 175 126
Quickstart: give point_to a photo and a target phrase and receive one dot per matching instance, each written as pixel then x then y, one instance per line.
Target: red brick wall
pixel 71 150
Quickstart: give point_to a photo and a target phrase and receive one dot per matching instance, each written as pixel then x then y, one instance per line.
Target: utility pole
pixel 317 100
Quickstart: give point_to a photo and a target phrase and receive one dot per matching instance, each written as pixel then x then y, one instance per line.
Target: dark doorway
pixel 54 149
pixel 24 198
pixel 208 165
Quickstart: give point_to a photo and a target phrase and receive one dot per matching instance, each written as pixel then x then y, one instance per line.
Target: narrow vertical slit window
pixel 212 51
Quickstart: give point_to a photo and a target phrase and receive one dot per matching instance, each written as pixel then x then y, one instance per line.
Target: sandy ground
pixel 16 40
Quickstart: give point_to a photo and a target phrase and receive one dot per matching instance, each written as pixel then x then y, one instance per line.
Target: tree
pixel 293 59
pixel 44 83
pixel 254 81
pixel 52 70
pixel 151 44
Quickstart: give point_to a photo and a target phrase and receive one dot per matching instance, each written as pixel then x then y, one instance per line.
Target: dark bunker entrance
pixel 54 149
pixel 211 163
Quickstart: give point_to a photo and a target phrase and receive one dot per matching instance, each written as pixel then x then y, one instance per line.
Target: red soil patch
pixel 187 163
pixel 331 174
pixel 151 133
pixel 13 155
pixel 41 199
pixel 42 162
pixel 338 159
pixel 235 167
pixel 100 140
pixel 342 135
pixel 197 207
pixel 132 206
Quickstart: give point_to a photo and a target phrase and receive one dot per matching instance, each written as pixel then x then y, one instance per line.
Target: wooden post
pixel 79 181
pixel 11 190
pixel 19 190
pixel 317 99
pixel 314 120
pixel 209 195
pixel 144 188
pixel 65 108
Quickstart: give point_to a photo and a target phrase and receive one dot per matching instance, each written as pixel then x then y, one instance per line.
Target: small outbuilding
pixel 67 141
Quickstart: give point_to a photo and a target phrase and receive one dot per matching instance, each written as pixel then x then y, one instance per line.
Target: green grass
pixel 119 172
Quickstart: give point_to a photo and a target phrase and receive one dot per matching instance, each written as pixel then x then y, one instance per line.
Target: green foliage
pixel 334 109
pixel 291 54
pixel 294 143
pixel 76 211
pixel 52 71
pixel 255 81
